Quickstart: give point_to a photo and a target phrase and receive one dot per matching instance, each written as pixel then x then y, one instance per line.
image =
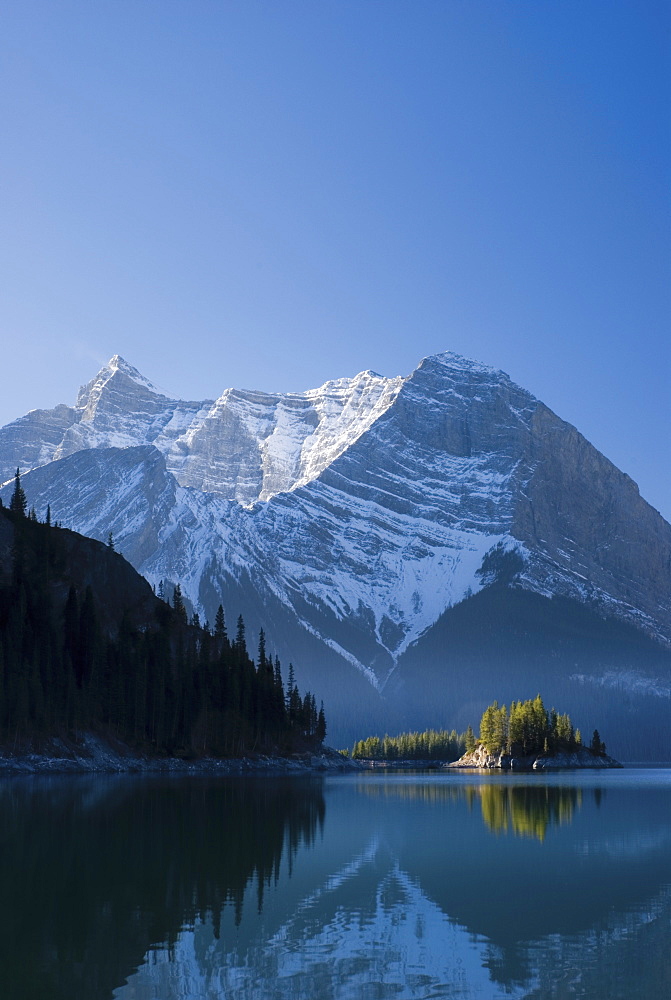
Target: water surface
pixel 372 886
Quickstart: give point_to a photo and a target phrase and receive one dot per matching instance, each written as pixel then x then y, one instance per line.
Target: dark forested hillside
pixel 85 645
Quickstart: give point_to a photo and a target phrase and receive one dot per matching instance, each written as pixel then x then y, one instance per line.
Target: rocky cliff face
pixel 361 510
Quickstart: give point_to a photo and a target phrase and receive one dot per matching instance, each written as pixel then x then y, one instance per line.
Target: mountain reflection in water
pixel 373 886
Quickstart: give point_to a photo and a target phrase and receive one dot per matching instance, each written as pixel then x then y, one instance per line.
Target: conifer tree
pixel 178 603
pixel 18 502
pixel 488 727
pixel 290 684
pixel 240 642
pixel 220 624
pixel 321 724
pixel 261 663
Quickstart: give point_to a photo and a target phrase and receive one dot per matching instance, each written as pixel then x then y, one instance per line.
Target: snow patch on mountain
pixel 626 681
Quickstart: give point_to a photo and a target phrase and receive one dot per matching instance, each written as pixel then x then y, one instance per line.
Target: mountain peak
pixel 112 376
pixel 119 365
pixel 459 363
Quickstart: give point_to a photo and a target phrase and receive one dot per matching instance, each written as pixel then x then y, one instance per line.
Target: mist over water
pixel 415 885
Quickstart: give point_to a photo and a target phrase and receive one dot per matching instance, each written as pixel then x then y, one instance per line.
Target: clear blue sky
pixel 271 194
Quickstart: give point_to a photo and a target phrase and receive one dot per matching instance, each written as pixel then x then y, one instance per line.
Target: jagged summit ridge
pixel 246 445
pixel 458 363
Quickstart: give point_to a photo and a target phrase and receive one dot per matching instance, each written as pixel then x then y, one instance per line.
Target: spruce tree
pixel 261 662
pixel 240 643
pixel 178 603
pixel 220 624
pixel 321 724
pixel 18 502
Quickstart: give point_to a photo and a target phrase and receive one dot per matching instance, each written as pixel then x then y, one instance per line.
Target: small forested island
pixel 523 737
pixel 526 737
pixel 430 745
pixel 95 667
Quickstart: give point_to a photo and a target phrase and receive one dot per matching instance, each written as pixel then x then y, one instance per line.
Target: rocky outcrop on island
pixel 580 757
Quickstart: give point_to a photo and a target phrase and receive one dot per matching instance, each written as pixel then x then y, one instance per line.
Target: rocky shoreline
pixel 581 757
pixel 93 755
pixel 372 764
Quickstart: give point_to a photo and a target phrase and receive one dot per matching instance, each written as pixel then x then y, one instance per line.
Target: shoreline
pixel 93 755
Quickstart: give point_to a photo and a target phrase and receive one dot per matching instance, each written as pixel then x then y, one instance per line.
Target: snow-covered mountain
pixel 347 519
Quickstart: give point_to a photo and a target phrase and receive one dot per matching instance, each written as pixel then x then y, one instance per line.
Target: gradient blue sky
pixel 271 194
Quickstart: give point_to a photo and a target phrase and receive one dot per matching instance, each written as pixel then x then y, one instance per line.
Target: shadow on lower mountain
pixel 508 643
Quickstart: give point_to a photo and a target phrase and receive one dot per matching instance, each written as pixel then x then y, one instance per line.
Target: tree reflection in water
pixel 524 810
pixel 94 872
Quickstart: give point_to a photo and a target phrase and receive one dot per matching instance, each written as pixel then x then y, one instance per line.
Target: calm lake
pixel 364 887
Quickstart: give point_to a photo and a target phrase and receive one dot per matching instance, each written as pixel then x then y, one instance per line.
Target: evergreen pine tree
pixel 321 724
pixel 240 642
pixel 220 624
pixel 178 603
pixel 18 502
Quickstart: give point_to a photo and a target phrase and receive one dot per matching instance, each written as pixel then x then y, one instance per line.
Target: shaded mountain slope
pixel 510 644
